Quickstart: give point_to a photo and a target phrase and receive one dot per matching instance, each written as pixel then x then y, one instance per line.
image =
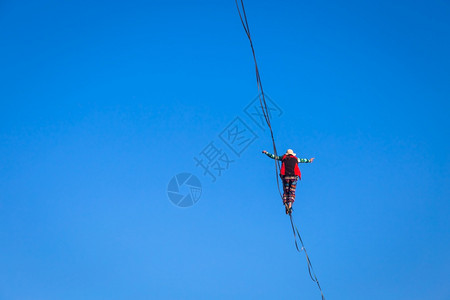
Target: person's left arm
pixel 273 156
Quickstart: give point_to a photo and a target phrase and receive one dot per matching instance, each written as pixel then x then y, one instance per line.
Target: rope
pixel 312 274
pixel 261 95
pixel 265 110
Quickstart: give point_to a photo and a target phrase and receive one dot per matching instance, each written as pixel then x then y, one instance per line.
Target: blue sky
pixel 103 102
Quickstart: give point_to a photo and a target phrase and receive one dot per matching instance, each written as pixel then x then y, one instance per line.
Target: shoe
pixel 289 209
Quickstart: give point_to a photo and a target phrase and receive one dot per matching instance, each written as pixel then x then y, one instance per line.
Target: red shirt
pixel 289 166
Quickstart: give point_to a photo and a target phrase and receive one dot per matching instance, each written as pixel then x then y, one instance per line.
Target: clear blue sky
pixel 103 102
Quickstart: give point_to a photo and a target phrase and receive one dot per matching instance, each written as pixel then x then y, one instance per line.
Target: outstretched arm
pixel 305 160
pixel 271 155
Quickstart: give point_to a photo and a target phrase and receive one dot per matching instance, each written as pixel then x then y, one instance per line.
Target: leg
pixel 286 189
pixel 292 188
pixel 289 199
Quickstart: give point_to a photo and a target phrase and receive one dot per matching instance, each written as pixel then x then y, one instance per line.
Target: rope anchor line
pixel 311 272
pixel 265 110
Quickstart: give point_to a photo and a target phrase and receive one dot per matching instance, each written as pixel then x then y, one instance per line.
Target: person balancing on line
pixel 289 173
